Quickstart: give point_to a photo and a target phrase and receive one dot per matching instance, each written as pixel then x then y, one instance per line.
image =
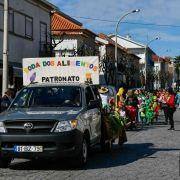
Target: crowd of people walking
pixel 144 107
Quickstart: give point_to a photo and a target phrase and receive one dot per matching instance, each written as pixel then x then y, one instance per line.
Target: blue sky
pixel 152 11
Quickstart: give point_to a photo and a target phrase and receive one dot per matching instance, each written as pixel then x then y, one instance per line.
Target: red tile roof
pixel 64 22
pixel 156 58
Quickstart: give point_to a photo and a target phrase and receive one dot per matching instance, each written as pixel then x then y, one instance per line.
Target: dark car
pixel 50 121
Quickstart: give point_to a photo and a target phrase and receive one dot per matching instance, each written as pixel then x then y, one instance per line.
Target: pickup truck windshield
pixel 61 96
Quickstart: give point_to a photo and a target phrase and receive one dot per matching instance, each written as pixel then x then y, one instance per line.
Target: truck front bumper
pixel 65 144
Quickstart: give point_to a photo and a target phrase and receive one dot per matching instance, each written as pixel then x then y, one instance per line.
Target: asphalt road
pixel 149 154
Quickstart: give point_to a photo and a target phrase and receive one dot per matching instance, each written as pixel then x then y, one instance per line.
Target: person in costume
pixel 163 101
pixel 120 97
pixel 131 104
pixel 142 112
pixel 103 91
pixel 171 107
pixel 155 107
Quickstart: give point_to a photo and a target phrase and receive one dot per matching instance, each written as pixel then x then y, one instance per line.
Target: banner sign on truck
pixel 61 70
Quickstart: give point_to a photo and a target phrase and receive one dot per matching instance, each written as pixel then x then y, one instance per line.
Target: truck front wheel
pixel 5 162
pixel 83 155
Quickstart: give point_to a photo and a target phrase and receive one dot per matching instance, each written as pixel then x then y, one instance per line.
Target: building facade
pixel 144 53
pixel 127 65
pixel 70 38
pixel 161 72
pixel 29 34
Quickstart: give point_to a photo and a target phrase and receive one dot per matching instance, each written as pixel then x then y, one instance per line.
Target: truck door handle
pixel 99 113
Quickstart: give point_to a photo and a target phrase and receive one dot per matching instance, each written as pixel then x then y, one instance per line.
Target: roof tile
pixel 61 23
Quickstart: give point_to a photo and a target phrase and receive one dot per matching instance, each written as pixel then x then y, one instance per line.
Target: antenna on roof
pixel 128 36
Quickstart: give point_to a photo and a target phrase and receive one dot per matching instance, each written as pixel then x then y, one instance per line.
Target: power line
pixel 125 22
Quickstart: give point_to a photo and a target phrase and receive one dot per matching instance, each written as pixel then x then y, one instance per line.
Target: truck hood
pixel 41 113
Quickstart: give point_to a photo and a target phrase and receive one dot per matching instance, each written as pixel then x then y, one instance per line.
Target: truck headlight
pixel 64 126
pixel 2 128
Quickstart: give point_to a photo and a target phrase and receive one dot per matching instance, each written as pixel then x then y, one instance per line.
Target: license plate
pixel 28 148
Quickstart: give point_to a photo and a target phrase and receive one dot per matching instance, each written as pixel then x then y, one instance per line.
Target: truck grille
pixel 39 126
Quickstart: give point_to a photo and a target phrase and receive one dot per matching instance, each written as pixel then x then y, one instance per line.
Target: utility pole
pixel 5 49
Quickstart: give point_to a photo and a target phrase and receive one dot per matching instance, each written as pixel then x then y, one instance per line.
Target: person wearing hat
pixel 103 91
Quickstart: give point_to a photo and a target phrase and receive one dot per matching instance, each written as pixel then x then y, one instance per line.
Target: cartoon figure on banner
pixel 30 76
pixel 33 77
pixel 88 78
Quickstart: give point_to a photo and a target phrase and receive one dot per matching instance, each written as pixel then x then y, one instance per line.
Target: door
pixel 94 115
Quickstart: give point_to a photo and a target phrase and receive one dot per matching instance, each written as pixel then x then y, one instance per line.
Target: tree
pixel 55 41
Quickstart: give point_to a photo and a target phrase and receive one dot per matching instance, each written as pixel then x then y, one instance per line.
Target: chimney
pixel 128 36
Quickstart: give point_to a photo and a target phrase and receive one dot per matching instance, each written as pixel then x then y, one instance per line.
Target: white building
pixel 29 33
pixel 161 72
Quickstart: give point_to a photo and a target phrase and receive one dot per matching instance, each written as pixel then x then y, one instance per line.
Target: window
pixel 43 32
pixel 11 20
pixel 22 99
pixel 19 24
pixel 1 16
pixel 61 96
pixel 28 27
pixel 89 95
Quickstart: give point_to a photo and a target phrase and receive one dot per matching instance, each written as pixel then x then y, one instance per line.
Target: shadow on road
pixel 129 154
pixel 97 160
pixel 148 127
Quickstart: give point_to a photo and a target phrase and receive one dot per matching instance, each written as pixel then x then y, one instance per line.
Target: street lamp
pixel 146 47
pixel 116 32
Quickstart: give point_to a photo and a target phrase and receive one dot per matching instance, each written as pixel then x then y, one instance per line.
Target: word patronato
pixel 57 79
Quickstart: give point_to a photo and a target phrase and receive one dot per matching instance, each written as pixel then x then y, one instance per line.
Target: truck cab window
pixel 60 96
